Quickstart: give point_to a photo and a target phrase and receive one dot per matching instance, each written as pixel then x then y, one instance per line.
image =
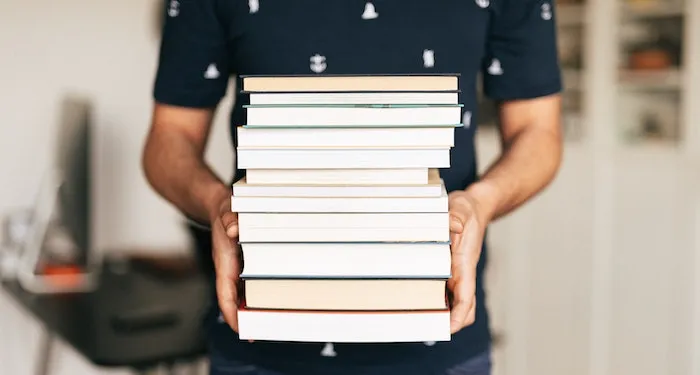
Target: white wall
pixel 105 50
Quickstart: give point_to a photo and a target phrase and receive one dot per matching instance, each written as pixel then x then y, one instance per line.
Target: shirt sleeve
pixel 521 59
pixel 193 66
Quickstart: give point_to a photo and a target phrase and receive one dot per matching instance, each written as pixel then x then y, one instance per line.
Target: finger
pixel 471 316
pixel 456 224
pixel 226 262
pixel 230 223
pixel 459 213
pixel 458 313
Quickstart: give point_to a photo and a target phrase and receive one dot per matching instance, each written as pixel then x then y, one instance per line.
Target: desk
pixel 139 317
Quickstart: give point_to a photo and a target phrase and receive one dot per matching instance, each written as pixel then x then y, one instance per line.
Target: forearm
pixel 527 165
pixel 175 169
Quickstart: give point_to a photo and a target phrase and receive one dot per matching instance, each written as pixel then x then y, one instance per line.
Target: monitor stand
pixel 39 269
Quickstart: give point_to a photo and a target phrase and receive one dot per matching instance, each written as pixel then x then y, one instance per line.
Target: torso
pixel 348 37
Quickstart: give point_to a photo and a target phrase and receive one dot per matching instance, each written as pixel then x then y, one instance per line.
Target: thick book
pixel 346 294
pixel 344 327
pixel 286 98
pixel 350 83
pixel 339 259
pixel 343 227
pixel 353 116
pixel 347 158
pixel 434 188
pixel 349 177
pixel 344 137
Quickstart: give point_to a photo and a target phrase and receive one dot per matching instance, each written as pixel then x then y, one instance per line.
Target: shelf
pixel 667 79
pixel 654 9
pixel 573 80
pixel 571 15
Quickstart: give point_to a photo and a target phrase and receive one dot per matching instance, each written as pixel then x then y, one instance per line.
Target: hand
pixel 467 229
pixel 226 254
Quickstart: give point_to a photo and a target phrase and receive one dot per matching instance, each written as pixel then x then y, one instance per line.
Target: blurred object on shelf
pixel 570 45
pixel 652 8
pixel 650 116
pixel 572 123
pixel 652 44
pixel 570 12
pixel 663 79
pixel 650 59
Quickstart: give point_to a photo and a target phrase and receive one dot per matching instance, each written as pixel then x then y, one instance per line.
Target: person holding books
pixel 512 43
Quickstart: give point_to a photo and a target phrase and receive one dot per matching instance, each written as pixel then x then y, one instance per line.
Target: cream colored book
pixel 300 190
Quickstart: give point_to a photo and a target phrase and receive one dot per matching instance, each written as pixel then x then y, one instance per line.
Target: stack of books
pixel 343 216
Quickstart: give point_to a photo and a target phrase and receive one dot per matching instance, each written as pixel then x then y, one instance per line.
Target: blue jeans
pixel 478 365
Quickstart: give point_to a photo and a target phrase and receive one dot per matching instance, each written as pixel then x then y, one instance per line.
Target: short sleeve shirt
pixel 510 44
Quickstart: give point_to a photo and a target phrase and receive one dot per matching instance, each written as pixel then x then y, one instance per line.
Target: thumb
pixel 230 222
pixel 456 225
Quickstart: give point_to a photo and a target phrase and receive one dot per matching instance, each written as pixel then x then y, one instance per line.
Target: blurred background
pixel 600 275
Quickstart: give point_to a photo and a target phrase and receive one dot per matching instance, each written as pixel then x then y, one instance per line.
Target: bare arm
pixel 532 150
pixel 173 161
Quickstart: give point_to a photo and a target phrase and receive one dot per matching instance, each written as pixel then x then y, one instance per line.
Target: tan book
pixel 346 294
pixel 350 83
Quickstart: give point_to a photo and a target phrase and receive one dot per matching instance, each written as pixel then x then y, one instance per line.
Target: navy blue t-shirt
pixel 512 43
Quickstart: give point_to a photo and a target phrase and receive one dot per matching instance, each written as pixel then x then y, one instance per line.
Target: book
pixel 343 259
pixel 287 98
pixel 347 177
pixel 353 115
pixel 335 158
pixel 350 83
pixel 346 294
pixel 339 204
pixel 433 188
pixel 250 137
pixel 343 227
pixel 343 327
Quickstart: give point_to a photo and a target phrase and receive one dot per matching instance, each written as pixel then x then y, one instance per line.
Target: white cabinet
pixel 600 275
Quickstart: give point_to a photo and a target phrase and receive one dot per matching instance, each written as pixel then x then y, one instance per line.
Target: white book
pixel 353 116
pixel 286 98
pixel 432 189
pixel 359 327
pixel 348 227
pixel 345 137
pixel 339 204
pixel 421 234
pixel 332 260
pixel 334 158
pixel 310 177
pixel 409 221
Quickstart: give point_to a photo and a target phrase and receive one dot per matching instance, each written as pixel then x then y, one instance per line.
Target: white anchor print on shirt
pixel 328 350
pixel 318 63
pixel 212 72
pixel 370 13
pixel 253 6
pixel 428 58
pixel 483 3
pixel 495 68
pixel 174 8
pixel 546 11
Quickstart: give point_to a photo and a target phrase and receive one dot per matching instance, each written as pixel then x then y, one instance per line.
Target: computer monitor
pixel 58 255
